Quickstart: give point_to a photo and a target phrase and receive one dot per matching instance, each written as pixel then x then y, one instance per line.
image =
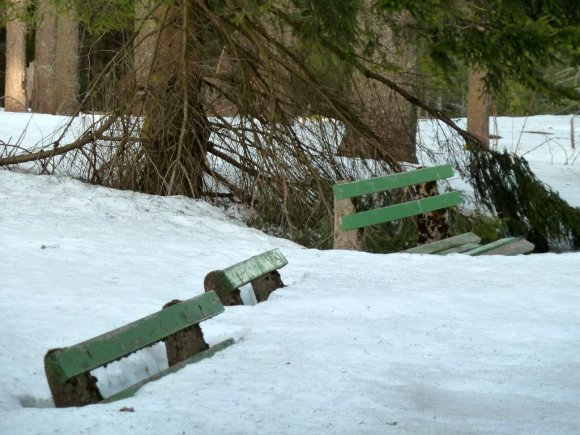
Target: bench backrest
pixel 66 363
pixel 393 212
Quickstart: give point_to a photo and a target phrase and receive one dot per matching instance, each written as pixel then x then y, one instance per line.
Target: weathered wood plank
pixel 128 392
pixel 393 181
pixel 399 211
pixel 445 244
pixel 506 246
pixel 484 249
pixel 244 272
pixel 459 249
pixel 98 351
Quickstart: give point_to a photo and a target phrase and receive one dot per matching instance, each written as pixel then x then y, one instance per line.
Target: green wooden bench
pixel 177 324
pixel 468 243
pixel 389 213
pixel 260 270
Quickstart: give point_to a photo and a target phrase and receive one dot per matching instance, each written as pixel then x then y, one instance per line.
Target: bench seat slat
pixel 459 249
pixel 242 273
pixel 123 341
pixel 130 391
pixel 506 246
pixel 445 244
pixel 393 181
pixel 399 211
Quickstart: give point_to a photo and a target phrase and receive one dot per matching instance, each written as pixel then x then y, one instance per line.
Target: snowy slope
pixel 355 344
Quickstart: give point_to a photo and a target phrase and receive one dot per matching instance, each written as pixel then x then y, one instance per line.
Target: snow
pixel 356 343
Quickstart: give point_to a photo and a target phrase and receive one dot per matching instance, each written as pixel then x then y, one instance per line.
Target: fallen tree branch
pixel 87 137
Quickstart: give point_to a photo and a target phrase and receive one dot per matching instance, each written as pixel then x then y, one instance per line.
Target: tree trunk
pixel 143 49
pixel 175 136
pixel 478 106
pixel 43 94
pixel 394 119
pixel 67 59
pixel 15 85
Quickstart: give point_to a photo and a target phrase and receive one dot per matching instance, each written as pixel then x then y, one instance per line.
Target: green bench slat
pixel 130 391
pixel 242 273
pixel 393 181
pixel 123 341
pixel 506 246
pixel 399 211
pixel 441 246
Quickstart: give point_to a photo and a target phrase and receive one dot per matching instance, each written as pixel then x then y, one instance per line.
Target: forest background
pixel 201 98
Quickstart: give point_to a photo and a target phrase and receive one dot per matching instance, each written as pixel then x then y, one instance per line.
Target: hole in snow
pixel 28 401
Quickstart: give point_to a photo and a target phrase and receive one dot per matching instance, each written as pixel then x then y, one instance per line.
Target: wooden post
pixel 431 226
pixel 352 239
pixel 185 343
pixel 213 281
pixel 80 390
pixel 265 285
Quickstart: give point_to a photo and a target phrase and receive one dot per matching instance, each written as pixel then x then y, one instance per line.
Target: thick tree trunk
pixel 143 49
pixel 14 90
pixel 67 60
pixel 43 94
pixel 175 136
pixel 478 106
pixel 393 118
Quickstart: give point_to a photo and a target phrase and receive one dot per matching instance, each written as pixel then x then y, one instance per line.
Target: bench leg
pixel 265 285
pixel 213 282
pixel 78 391
pixel 431 226
pixel 353 239
pixel 185 343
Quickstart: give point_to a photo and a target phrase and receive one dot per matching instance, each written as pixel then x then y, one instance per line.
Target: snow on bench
pixel 177 324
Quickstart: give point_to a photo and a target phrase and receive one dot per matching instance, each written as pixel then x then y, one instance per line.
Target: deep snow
pixel 356 343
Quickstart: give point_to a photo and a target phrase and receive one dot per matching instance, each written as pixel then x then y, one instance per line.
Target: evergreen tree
pixel 271 163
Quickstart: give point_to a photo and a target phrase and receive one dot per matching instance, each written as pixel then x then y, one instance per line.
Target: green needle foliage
pixel 513 41
pixel 505 184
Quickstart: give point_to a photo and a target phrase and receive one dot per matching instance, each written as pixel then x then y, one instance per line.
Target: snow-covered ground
pixel 356 343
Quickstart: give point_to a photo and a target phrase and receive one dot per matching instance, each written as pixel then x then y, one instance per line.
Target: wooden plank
pixel 128 392
pixel 490 247
pixel 98 351
pixel 242 273
pixel 399 211
pixel 445 244
pixel 459 249
pixel 507 246
pixel 393 181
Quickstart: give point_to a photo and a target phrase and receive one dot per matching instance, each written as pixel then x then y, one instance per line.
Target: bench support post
pixel 431 226
pixel 265 285
pixel 353 240
pixel 185 343
pixel 80 390
pixel 213 281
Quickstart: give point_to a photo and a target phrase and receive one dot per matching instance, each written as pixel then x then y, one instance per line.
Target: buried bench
pixel 467 243
pixel 260 270
pixel 177 324
pixel 347 220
